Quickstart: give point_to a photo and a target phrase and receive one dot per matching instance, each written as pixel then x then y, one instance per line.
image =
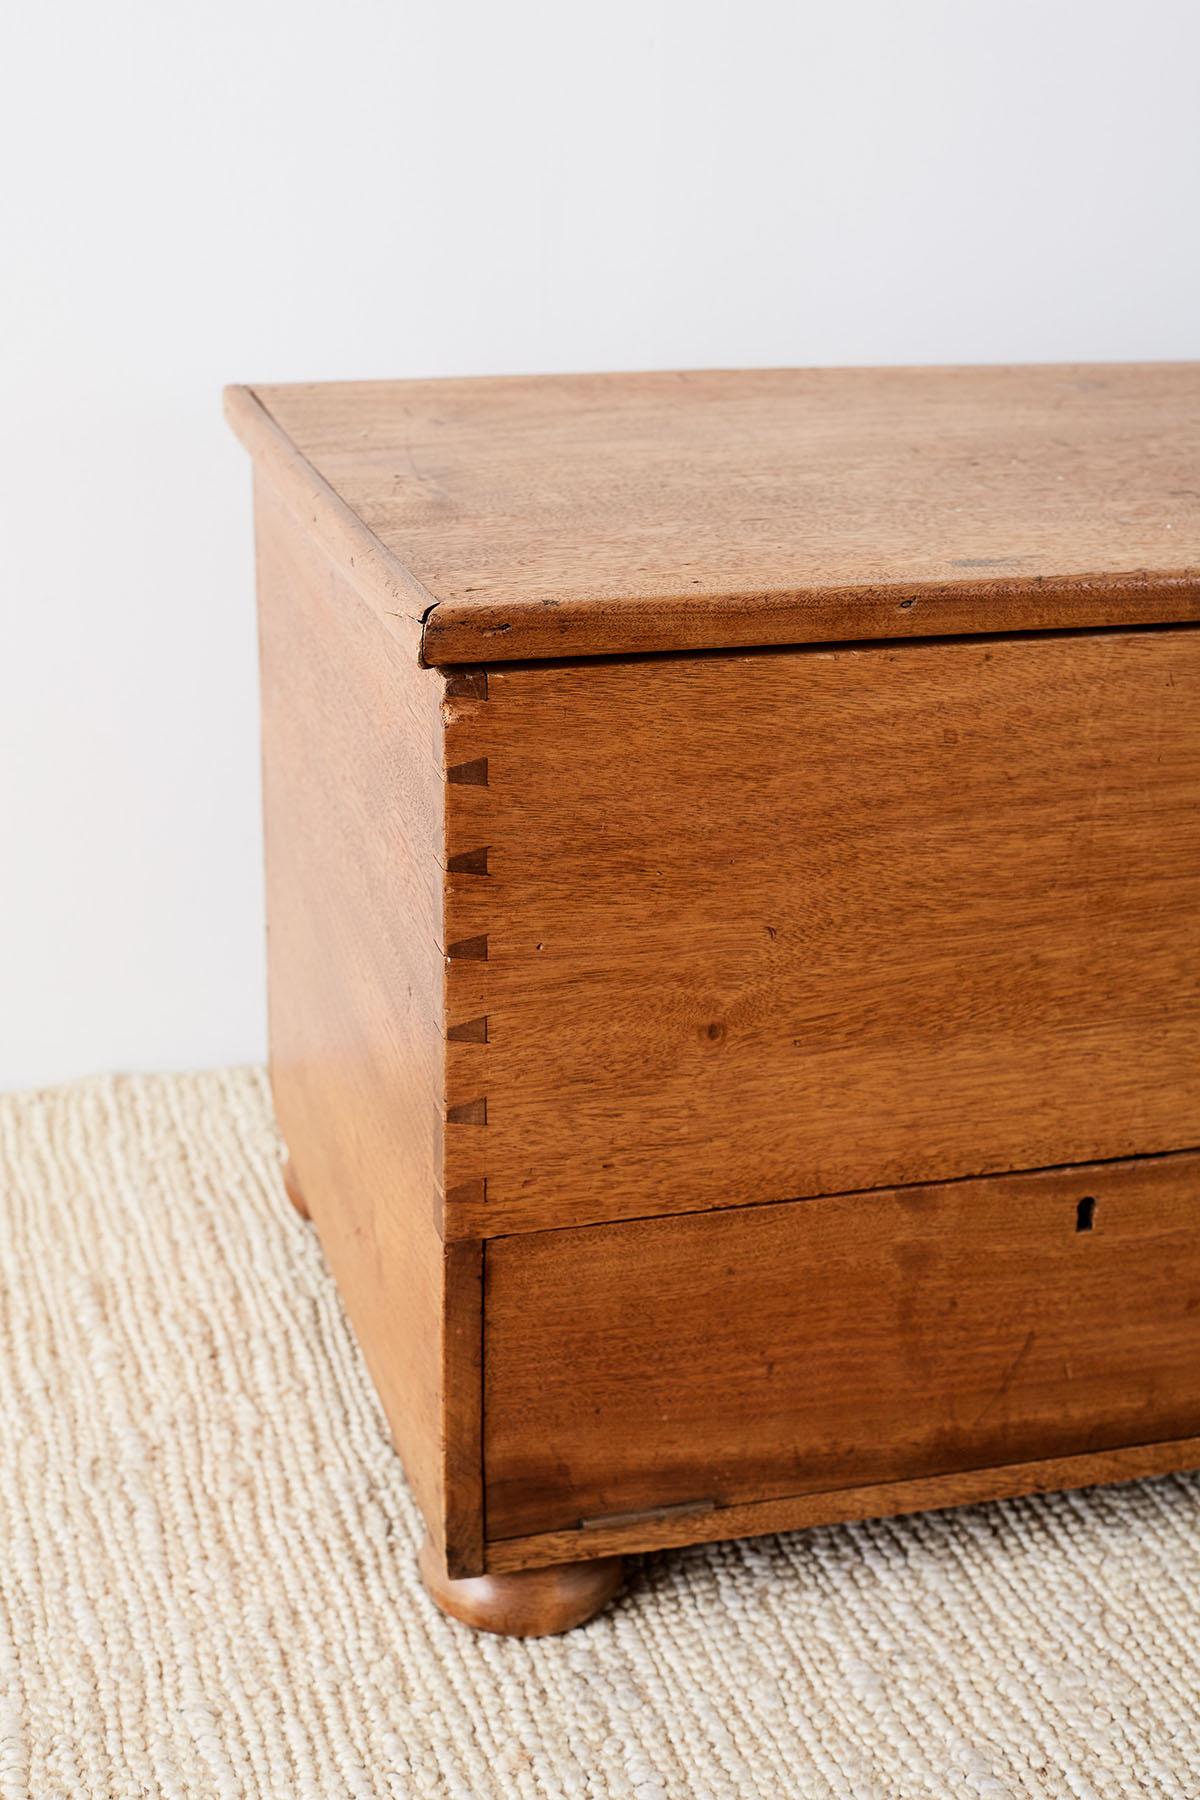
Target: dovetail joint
pixel 472 949
pixel 468 1112
pixel 462 1149
pixel 468 1031
pixel 467 1193
pixel 467 684
pixel 469 862
pixel 469 774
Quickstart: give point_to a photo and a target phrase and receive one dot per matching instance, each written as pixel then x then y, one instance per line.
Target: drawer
pixel 827 1344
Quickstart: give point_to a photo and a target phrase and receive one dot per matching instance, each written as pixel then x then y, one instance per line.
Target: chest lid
pixel 587 515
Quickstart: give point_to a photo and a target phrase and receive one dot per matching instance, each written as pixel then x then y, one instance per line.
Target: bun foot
pixel 292 1188
pixel 527 1602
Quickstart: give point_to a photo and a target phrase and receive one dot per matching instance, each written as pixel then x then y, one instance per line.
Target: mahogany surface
pixel 354 825
pixel 768 924
pixel 575 515
pixel 733 876
pixel 724 1358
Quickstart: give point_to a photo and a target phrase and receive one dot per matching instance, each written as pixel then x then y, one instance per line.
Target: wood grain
pixel 825 1345
pixel 799 1512
pixel 606 961
pixel 577 515
pixel 776 924
pixel 353 790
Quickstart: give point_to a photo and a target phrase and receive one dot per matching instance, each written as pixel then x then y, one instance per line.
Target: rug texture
pixel 207 1552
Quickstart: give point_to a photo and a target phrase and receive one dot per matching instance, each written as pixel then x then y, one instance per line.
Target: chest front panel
pixel 767 925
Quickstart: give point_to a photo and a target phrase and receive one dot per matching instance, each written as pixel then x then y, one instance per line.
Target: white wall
pixel 287 189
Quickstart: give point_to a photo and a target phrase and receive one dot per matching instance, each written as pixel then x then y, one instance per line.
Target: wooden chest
pixel 733 849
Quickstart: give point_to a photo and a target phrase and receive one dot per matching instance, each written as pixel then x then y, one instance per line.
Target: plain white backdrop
pixel 283 190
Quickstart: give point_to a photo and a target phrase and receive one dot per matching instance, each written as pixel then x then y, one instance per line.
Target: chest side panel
pixel 354 817
pixel 777 924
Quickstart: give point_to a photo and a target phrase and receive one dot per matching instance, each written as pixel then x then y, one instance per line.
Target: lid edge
pixel 520 630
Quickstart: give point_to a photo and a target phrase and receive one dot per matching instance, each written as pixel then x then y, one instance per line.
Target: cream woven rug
pixel 207 1580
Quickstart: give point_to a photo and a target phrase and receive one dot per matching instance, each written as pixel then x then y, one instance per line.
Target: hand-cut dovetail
pixel 468 1112
pixel 471 1031
pixel 469 862
pixel 466 684
pixel 467 1193
pixel 469 774
pixel 468 950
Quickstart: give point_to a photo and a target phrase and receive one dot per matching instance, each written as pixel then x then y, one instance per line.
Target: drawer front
pixel 833 1343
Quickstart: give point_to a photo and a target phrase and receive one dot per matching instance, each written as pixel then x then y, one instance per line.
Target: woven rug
pixel 207 1580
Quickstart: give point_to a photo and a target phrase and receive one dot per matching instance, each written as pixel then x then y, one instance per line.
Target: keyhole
pixel 1085 1214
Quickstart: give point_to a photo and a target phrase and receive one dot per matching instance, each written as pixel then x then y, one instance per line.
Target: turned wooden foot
pixel 292 1188
pixel 528 1602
